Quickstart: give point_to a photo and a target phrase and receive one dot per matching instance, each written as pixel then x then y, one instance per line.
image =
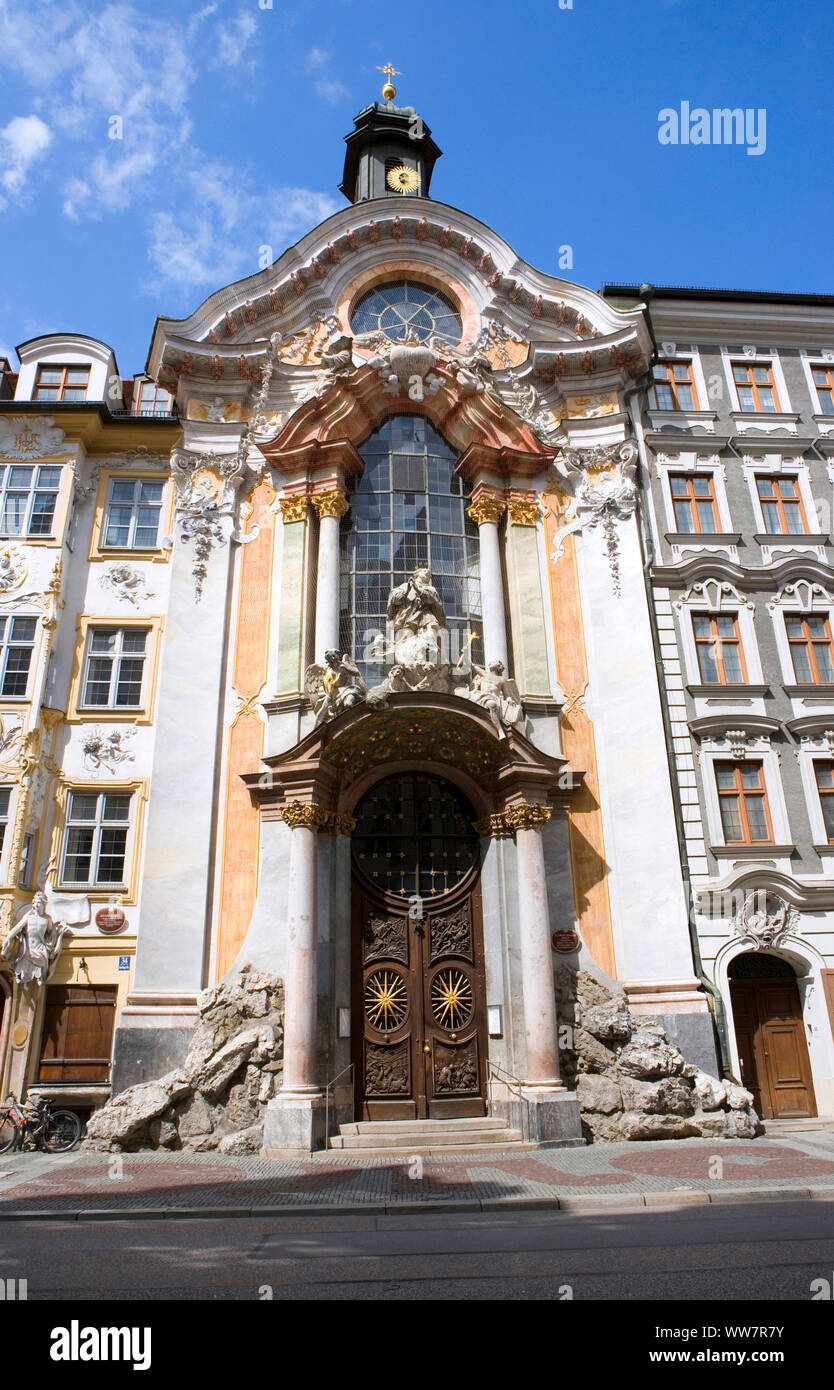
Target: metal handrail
pixel 331 1083
pixel 515 1086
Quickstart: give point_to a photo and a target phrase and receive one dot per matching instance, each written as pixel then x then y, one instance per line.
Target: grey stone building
pixel 736 438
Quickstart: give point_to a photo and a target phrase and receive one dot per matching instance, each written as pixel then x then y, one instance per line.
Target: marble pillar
pixel 486 511
pixel 331 506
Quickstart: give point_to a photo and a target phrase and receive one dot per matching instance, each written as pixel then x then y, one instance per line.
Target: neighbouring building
pixel 421 628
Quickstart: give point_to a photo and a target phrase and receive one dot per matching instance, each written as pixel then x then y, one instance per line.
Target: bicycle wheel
pixel 8 1133
pixel 61 1132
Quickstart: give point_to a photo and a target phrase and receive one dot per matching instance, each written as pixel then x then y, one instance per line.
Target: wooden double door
pixel 419 991
pixel 773 1052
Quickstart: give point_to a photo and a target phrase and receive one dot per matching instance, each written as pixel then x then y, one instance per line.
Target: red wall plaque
pixel 110 920
pixel 565 941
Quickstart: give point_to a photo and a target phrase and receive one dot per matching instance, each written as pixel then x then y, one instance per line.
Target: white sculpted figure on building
pixel 34 944
pixel 334 687
pixel 499 696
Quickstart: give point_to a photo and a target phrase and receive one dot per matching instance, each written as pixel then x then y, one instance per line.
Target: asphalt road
pixel 748 1251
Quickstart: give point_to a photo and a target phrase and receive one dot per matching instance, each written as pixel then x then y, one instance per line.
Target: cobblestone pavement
pixel 689 1170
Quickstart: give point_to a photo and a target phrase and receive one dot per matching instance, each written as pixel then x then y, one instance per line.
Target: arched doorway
pixel 767 1015
pixel 418 969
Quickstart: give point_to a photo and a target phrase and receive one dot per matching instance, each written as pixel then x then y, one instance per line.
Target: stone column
pixel 331 505
pixel 540 1024
pixel 295 1118
pixel 301 1011
pixel 486 511
pixel 552 1112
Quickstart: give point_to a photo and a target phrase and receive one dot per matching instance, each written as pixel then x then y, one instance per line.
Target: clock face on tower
pixel 394 309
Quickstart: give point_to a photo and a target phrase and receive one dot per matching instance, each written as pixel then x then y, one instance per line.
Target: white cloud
pixel 23 142
pixel 233 39
pixel 219 239
pixel 318 60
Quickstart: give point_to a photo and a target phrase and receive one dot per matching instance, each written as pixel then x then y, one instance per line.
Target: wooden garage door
pixel 77 1034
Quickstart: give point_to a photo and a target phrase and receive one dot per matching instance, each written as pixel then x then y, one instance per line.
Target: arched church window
pixel 408 509
pixel 394 309
pixel 414 834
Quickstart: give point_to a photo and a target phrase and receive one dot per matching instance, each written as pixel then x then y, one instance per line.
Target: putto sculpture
pixel 334 687
pixel 499 696
pixel 33 945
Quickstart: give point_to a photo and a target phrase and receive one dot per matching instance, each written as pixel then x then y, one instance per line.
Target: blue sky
pixel 232 116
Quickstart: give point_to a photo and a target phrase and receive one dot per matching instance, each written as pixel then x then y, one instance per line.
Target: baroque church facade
pixel 420 628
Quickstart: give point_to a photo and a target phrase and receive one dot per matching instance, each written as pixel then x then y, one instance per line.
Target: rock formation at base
pixel 631 1082
pixel 217 1099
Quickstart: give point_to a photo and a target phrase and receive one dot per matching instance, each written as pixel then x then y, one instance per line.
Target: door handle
pixel 426 1047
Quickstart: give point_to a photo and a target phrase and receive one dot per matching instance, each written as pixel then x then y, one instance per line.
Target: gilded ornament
pixel 487 507
pixel 330 503
pixel 294 508
pixel 523 513
pixel 528 815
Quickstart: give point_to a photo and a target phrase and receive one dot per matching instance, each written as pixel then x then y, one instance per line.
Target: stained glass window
pixel 408 509
pixel 393 309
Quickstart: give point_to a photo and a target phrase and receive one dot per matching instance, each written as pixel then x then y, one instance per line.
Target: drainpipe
pixel 648 553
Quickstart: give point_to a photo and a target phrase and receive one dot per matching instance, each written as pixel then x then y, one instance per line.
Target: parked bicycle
pixel 52 1131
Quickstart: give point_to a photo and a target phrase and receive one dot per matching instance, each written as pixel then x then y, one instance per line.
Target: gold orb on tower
pixel 389 91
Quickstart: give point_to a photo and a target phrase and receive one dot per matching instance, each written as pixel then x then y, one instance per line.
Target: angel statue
pixel 499 696
pixel 334 687
pixel 33 945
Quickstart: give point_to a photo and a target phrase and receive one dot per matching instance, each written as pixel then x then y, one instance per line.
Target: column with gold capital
pixel 538 987
pixel 486 510
pixel 330 504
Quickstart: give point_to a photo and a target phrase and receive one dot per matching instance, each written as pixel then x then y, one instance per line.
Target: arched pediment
pixel 355 405
pixel 335 762
pixel 571 330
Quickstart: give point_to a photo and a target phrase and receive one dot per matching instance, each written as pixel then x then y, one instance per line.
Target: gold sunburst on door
pixel 386 1000
pixel 451 998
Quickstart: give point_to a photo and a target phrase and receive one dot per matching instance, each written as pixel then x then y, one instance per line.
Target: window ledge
pixel 800 538
pixel 824 692
pixel 725 538
pixel 756 851
pixel 780 417
pixel 92 889
pixel 827 848
pixel 731 691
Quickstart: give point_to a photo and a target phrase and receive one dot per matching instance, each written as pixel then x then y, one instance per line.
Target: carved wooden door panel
pixel 418 977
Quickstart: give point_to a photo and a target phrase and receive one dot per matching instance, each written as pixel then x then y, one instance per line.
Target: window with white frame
pixel 28 497
pixel 694 503
pixel 114 667
pixel 755 387
pixel 5 799
pixel 95 838
pixel 809 643
pixel 150 399
pixel 17 642
pixel 719 648
pixel 824 775
pixel 822 375
pixel 673 385
pixel 742 800
pixel 134 508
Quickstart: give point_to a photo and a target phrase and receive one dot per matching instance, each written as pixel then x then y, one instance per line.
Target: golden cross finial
pixel 389 91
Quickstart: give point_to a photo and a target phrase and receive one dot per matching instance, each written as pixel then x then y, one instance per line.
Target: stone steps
pixel 381 1137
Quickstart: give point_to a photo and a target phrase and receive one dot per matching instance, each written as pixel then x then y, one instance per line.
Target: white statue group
pixel 417 663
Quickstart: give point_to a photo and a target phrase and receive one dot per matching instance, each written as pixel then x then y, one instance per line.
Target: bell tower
pixel 390 152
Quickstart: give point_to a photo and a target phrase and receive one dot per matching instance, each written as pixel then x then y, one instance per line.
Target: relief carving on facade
pixel 764 920
pixel 13 568
pixel 387 1070
pixel 34 943
pixel 385 937
pixel 455 1069
pixel 126 583
pixel 106 748
pixel 603 482
pixel 30 437
pixel 452 935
